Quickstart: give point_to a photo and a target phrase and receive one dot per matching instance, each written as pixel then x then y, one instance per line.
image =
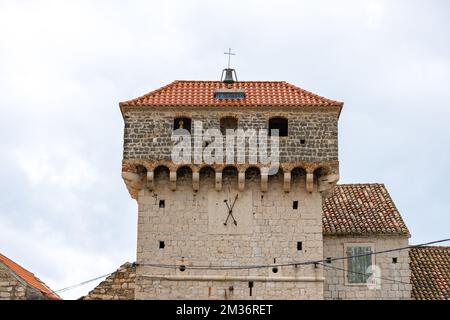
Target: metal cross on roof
pixel 229 53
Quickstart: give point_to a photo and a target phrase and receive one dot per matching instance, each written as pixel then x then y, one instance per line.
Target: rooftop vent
pixel 229 94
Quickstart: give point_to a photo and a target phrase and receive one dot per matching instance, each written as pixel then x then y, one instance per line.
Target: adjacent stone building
pixel 364 216
pixel 17 283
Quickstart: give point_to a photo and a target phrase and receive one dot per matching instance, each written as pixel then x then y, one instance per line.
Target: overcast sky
pixel 65 213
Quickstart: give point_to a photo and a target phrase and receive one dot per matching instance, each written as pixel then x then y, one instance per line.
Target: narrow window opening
pixel 182 268
pixel 162 203
pixel 299 246
pixel 162 244
pixel 228 123
pixel 302 141
pixel 250 285
pixel 280 124
pixel 394 260
pixel 295 205
pixel 182 123
pixel 328 259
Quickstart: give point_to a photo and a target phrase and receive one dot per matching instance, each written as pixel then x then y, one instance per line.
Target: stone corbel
pixel 196 181
pixel 218 181
pixel 241 181
pixel 173 180
pixel 133 181
pixel 309 182
pixel 150 180
pixel 287 182
pixel 327 182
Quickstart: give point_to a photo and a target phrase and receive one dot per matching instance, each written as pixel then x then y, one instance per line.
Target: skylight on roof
pixel 229 94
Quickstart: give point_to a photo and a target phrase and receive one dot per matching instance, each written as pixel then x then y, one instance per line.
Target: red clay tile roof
pixel 29 278
pixel 258 93
pixel 361 209
pixel 430 273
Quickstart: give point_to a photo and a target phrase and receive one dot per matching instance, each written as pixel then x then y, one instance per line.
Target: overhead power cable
pixel 82 283
pixel 310 262
pixel 362 273
pixel 294 264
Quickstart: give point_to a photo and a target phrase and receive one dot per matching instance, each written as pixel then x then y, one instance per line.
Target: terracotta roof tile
pixel 258 93
pixel 29 278
pixel 361 209
pixel 430 273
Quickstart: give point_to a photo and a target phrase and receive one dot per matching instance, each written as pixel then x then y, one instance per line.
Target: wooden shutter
pixel 357 266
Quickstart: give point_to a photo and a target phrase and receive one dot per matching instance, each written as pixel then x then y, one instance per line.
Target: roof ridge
pixel 260 93
pixel 313 94
pixel 431 247
pixel 361 184
pixel 150 93
pixel 218 81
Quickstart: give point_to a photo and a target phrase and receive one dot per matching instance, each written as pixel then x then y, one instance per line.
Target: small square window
pixel 162 244
pixel 394 260
pixel 295 205
pixel 302 141
pixel 299 246
pixel 162 203
pixel 328 259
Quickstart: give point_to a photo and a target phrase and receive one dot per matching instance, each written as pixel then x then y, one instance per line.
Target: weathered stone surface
pixel 118 286
pixel 12 288
pixel 148 133
pixel 193 231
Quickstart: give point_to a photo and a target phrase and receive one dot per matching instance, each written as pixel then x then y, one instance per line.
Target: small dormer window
pixel 229 94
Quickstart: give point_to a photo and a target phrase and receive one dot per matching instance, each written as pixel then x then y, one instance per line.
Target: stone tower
pixel 222 230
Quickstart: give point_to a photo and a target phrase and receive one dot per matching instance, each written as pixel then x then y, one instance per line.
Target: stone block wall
pixel 12 288
pixel 119 285
pixel 336 286
pixel 191 227
pixel 147 133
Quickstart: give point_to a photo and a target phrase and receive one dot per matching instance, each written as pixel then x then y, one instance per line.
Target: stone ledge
pixel 233 278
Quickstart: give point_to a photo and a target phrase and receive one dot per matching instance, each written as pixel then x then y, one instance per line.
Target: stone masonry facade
pixel 191 227
pixel 117 286
pixel 13 288
pixel 147 133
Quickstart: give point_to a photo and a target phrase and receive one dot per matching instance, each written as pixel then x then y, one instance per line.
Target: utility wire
pixel 362 273
pixel 295 264
pixel 82 283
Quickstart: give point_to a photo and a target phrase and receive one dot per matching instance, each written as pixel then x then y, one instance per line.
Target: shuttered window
pixel 357 265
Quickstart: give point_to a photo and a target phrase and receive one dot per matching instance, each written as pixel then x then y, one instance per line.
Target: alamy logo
pixel 234 147
pixel 374 280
